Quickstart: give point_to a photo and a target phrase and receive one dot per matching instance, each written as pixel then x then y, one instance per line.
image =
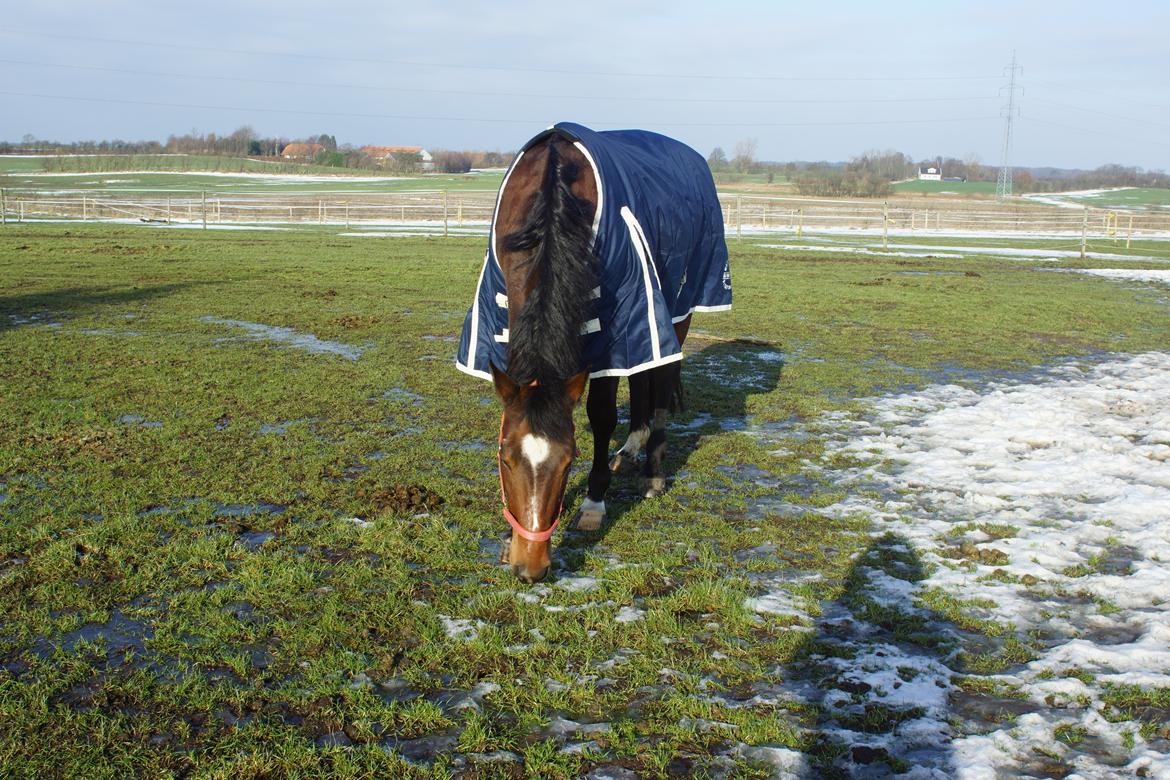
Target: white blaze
pixel 536 451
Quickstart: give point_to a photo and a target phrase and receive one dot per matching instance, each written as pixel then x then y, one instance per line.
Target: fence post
pixel 1084 231
pixel 1129 237
pixel 320 212
pixel 168 209
pixel 885 224
pixel 444 213
pixel 203 198
pixel 21 202
pixel 347 215
pixel 4 209
pixel 459 211
pixel 739 216
pixel 800 222
pixel 84 209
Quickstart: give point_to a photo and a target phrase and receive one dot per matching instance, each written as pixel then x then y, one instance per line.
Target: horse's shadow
pixel 718 377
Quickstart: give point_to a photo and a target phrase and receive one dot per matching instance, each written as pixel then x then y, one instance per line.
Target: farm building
pixel 388 152
pixel 301 151
pixel 930 173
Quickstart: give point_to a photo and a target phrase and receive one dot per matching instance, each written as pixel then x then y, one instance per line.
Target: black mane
pixel 545 344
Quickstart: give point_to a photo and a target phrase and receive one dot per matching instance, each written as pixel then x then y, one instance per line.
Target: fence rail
pixel 470 211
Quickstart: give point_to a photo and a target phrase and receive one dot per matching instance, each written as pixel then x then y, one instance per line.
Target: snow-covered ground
pixel 1058 199
pixel 1042 509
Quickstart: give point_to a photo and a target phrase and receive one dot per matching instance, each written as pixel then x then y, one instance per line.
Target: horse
pixel 602 246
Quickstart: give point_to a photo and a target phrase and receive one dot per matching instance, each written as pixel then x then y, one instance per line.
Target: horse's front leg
pixel 663 381
pixel 602 410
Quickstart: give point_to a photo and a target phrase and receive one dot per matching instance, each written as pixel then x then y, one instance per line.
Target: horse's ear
pixel 575 386
pixel 506 389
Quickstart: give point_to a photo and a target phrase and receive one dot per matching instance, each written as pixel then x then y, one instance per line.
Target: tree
pixel 717 161
pixel 745 155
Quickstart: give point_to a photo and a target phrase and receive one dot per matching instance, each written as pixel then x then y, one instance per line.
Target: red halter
pixel 532 536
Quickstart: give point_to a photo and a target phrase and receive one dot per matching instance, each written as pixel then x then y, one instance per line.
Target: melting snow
pixel 296 339
pixel 1076 468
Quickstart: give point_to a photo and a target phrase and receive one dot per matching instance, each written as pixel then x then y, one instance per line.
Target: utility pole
pixel 1003 185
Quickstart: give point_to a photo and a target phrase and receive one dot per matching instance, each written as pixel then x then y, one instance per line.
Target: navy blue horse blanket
pixel 658 233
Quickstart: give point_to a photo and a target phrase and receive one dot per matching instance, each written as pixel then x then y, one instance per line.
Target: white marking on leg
pixel 635 442
pixel 589 505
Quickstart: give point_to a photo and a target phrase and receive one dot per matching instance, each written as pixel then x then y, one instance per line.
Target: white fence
pixel 470 211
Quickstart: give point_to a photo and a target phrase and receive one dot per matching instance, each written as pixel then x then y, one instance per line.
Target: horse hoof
pixel 653 486
pixel 589 520
pixel 622 464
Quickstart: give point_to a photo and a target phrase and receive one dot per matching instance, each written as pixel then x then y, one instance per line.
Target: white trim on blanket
pixel 643 255
pixel 475 312
pixel 473 372
pixel 677 356
pixel 501 338
pixel 720 307
pixel 600 193
pixel 590 326
pixel 501 300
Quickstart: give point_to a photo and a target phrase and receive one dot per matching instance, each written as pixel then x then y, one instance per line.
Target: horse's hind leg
pixel 664 394
pixel 663 381
pixel 626 458
pixel 602 410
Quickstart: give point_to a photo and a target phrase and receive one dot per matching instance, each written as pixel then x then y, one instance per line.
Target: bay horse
pixel 602 246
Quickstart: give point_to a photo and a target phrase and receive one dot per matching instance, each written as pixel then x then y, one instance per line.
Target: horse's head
pixel 536 449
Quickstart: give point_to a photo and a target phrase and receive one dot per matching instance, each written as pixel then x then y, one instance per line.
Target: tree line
pixel 873 173
pixel 246 142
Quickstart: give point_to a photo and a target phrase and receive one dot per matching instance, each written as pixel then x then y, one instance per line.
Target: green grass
pixel 193 174
pixel 1128 198
pixel 196 640
pixel 960 187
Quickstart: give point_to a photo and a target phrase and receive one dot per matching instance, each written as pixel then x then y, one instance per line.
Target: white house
pixel 930 173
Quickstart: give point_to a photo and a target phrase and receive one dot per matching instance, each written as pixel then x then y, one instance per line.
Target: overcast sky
pixel 807 80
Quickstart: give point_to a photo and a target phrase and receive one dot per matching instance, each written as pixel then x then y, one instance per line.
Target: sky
pixel 804 81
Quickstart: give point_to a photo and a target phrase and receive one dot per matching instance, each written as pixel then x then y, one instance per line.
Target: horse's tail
pixel 545 344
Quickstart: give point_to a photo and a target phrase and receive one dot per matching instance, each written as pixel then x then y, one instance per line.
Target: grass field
pixel 229 552
pixel 1127 198
pixel 195 174
pixel 957 187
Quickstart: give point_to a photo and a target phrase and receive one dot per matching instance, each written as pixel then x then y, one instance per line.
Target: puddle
pixel 247 510
pixel 122 637
pixel 254 539
pixel 403 395
pixel 293 338
pixel 138 420
pixel 281 427
pixel 465 446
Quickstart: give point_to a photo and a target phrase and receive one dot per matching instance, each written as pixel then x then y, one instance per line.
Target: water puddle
pixel 293 338
pixel 139 421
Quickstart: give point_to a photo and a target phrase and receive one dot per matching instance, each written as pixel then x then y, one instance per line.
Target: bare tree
pixel 745 155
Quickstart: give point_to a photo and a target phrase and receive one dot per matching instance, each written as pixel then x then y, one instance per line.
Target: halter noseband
pixel 532 536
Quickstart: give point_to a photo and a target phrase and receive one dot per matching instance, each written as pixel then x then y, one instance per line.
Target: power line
pixel 419 90
pixel 1103 113
pixel 306 112
pixel 497 68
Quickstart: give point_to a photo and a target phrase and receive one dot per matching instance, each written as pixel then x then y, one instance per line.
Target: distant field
pixel 960 187
pixel 220 182
pixel 1128 198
